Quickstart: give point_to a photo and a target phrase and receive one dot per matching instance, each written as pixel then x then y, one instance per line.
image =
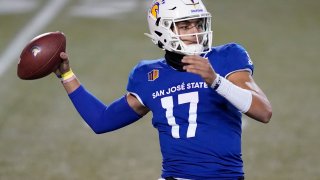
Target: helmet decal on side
pixel 155 10
pixel 163 16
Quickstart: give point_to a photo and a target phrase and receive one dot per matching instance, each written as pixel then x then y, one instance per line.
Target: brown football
pixel 41 56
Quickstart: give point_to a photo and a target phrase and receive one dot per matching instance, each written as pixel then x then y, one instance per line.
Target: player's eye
pixel 200 25
pixel 184 27
pixel 190 25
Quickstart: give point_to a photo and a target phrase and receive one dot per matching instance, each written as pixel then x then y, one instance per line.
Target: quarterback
pixel 197 95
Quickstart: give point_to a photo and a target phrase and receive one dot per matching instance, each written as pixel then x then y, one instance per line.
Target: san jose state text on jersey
pixel 179 87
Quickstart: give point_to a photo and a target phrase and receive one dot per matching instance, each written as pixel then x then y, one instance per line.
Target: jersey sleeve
pixel 134 83
pixel 231 58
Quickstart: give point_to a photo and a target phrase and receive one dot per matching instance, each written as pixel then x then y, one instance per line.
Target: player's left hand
pixel 64 65
pixel 201 66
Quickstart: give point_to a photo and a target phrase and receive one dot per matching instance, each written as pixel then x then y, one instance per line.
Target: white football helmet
pixel 162 18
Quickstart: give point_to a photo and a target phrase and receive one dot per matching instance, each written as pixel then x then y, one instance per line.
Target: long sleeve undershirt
pixel 100 117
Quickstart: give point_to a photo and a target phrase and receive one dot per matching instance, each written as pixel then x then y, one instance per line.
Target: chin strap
pixel 174 60
pixel 193 49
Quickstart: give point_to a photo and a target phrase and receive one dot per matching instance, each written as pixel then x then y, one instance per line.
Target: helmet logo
pixel 155 10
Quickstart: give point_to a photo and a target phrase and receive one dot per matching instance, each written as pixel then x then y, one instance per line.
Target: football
pixel 41 56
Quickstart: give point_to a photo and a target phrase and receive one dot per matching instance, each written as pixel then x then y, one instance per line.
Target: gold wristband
pixel 67 76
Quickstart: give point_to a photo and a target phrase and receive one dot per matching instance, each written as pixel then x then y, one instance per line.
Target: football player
pixel 197 95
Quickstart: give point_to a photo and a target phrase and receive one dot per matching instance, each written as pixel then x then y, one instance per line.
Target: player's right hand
pixel 200 66
pixel 64 65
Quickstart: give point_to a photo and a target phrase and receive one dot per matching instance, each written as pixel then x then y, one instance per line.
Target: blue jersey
pixel 199 130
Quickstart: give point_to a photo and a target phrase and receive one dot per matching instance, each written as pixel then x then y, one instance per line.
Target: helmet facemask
pixel 174 41
pixel 203 37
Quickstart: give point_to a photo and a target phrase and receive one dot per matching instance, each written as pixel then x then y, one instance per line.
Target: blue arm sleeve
pixel 99 117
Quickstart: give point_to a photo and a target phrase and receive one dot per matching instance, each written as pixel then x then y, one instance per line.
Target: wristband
pixel 237 96
pixel 67 76
pixel 216 83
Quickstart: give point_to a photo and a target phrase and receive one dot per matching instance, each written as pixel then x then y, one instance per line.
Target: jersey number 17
pixel 167 104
